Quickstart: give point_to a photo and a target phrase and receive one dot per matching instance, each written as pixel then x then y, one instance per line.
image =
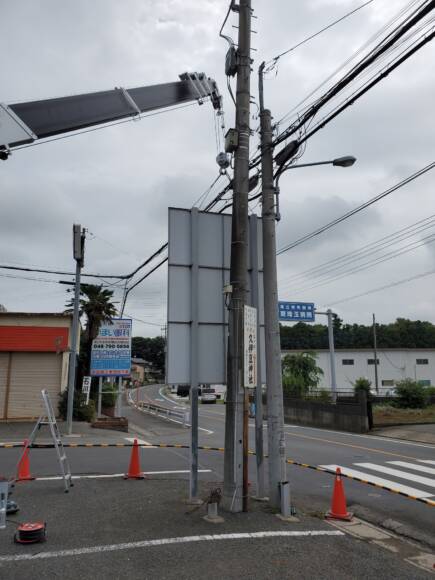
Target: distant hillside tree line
pixel 402 333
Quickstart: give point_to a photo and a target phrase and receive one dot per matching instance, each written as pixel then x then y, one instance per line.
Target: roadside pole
pixel 235 451
pixel 275 405
pixel 194 345
pixel 375 349
pixel 78 252
pixel 100 395
pixel 330 315
pixel 255 302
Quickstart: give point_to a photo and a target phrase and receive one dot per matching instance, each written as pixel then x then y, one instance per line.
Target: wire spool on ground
pixel 30 533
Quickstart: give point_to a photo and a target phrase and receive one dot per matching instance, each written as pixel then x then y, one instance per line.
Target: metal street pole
pixel 255 302
pixel 376 355
pixel 235 496
pixel 275 405
pixel 78 251
pixel 332 354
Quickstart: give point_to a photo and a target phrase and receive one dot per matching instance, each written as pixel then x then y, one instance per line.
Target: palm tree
pixel 97 306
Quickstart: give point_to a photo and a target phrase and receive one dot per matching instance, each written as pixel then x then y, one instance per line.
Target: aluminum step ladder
pixel 49 419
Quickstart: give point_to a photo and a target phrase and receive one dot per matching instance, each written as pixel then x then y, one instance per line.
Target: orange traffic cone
pixel 23 470
pixel 338 509
pixel 134 471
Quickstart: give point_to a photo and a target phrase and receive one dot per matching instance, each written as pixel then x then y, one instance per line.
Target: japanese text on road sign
pixel 250 346
pixel 296 311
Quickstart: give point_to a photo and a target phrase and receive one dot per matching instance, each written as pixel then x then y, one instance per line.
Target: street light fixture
pixel 346 161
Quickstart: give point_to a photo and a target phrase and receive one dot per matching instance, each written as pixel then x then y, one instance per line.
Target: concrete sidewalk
pixel 421 433
pixel 144 529
pixel 82 432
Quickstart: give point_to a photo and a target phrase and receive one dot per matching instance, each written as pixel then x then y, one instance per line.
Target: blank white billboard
pixel 212 259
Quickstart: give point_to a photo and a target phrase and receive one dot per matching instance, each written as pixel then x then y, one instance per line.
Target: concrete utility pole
pixel 79 255
pixel 275 405
pixel 376 355
pixel 234 497
pixel 330 315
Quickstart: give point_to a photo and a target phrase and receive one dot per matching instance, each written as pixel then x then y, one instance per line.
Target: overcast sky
pixel 119 181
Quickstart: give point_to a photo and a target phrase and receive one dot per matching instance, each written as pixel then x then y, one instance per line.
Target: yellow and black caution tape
pixel 428 502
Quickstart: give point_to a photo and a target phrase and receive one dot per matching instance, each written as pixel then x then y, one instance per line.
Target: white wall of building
pixel 394 365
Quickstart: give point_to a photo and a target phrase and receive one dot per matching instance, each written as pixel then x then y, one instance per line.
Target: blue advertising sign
pixel 296 311
pixel 111 350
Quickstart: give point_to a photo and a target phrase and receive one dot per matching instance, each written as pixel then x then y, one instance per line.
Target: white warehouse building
pixel 393 365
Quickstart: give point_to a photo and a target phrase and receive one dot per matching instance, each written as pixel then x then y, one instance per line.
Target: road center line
pixel 322 440
pixel 167 542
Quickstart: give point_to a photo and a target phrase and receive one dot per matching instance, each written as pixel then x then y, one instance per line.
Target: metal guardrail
pixel 179 415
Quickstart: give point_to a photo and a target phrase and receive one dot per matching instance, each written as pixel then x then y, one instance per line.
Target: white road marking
pixel 167 542
pixel 427 461
pixel 141 442
pixel 159 399
pixel 421 468
pixel 108 476
pixel 345 434
pixel 398 473
pixel 168 399
pixel 380 481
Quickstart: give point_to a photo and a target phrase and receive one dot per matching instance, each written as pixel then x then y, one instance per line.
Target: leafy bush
pixel 81 412
pixel 411 395
pixel 362 384
pixel 110 394
pixel 294 385
pixel 430 391
pixel 300 374
pixel 320 396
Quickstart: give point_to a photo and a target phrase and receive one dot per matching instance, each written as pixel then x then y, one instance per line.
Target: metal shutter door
pixel 4 360
pixel 32 372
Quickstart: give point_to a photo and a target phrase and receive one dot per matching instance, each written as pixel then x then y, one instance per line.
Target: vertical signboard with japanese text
pixel 250 346
pixel 111 350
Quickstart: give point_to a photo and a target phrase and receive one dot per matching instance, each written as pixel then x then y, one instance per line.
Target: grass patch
pixel 387 414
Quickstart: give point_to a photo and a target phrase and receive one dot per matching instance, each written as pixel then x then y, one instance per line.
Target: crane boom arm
pixel 25 122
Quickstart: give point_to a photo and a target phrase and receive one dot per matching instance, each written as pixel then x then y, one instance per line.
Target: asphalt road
pixel 404 465
pixel 112 528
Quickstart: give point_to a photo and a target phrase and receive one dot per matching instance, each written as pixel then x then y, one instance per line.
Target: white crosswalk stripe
pixel 429 461
pixel 389 483
pixel 414 467
pixel 398 473
pixel 380 481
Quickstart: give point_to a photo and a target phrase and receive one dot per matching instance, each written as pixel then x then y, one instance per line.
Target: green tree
pixel 150 349
pixel 97 307
pixel 362 384
pixel 300 373
pixel 411 395
pixel 402 333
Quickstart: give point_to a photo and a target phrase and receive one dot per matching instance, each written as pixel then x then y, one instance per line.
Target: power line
pixel 276 58
pixel 380 288
pixel 366 250
pixel 375 36
pixel 385 45
pixel 388 256
pixel 143 321
pixel 361 207
pixel 29 278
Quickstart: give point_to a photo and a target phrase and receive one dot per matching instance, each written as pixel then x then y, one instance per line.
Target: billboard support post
pixel 194 328
pixel 259 453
